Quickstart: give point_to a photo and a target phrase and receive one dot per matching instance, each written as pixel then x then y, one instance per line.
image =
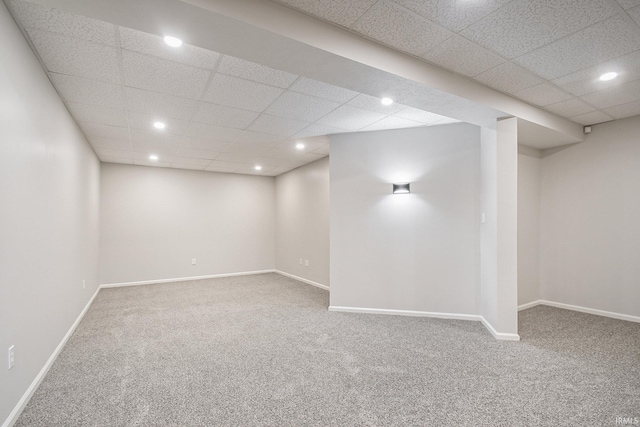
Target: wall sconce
pixel 401 188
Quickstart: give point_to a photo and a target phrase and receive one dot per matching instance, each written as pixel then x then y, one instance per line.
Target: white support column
pixel 499 235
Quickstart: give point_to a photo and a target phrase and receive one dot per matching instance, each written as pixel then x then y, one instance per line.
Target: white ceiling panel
pixel 598 43
pixel 570 108
pixel 236 158
pixel 454 15
pixel 110 152
pixel 374 104
pixel 316 130
pixel 323 90
pixel 628 4
pixel 621 94
pixel 166 77
pixel 210 132
pixel 197 154
pixel 509 32
pixel 635 14
pixel 341 12
pixel 98 114
pixel 351 118
pixel 543 94
pixel 258 73
pixel 160 104
pixel 592 118
pixel 203 144
pixel 247 148
pixel 142 150
pixel 277 125
pixel 145 122
pixel 178 165
pixel 301 106
pixel 392 122
pixel 83 91
pixel 201 163
pixel 462 56
pixel 277 162
pixel 416 115
pixel 624 110
pixel 310 144
pixel 75 57
pixel 399 28
pixel 34 16
pixel 141 136
pixel 111 159
pixel 258 137
pixel 509 77
pixel 154 45
pixel 241 93
pixel 95 130
pixel 219 115
pixel 114 144
pixel 223 166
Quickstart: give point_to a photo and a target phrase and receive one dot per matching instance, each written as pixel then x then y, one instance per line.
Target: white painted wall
pixel 590 221
pixel 49 214
pixel 155 220
pixel 302 225
pixel 529 166
pixel 406 252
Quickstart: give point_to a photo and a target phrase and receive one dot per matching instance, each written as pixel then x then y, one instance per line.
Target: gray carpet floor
pixel 264 351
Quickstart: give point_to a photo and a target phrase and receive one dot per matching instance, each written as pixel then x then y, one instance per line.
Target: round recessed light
pixel 258 167
pixel 386 101
pixel 153 157
pixel 608 76
pixel 300 146
pixel 159 125
pixel 172 41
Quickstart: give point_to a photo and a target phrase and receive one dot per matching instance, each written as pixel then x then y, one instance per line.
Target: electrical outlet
pixel 12 356
pixel 193 261
pixel 84 284
pixel 300 261
pixel 306 263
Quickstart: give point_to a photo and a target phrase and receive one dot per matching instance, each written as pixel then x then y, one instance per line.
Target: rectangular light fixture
pixel 401 188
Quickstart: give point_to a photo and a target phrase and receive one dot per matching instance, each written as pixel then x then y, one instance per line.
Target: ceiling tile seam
pixel 212 72
pixel 122 84
pixel 357 20
pixel 625 15
pixel 486 16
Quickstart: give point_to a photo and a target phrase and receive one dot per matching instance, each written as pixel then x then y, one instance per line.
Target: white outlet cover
pixel 11 356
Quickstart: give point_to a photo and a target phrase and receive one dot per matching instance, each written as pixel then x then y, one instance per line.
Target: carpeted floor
pixel 263 350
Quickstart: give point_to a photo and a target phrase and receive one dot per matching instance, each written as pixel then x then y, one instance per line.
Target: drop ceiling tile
pixel 94 130
pixel 235 158
pixel 109 152
pixel 570 108
pixel 160 104
pixel 283 156
pixel 417 115
pixel 592 118
pixel 219 166
pixel 177 165
pixel 276 162
pixel 454 15
pixel 203 144
pixel 142 150
pixel 121 160
pixel 316 130
pixel 509 78
pixel 212 133
pixel 257 137
pixel 374 104
pixel 351 118
pixel 586 81
pixel 628 4
pixel 83 91
pixel 247 148
pixel 220 115
pixel 509 31
pixel 323 90
pixel 341 12
pixel 80 58
pixel 255 72
pixel 33 16
pixel 621 94
pixel 190 161
pixel 398 28
pixel 597 43
pixel 277 125
pixel 624 110
pixel 392 122
pixel 152 73
pixel 543 94
pixel 98 114
pixel 635 14
pixel 154 137
pixel 145 122
pixel 250 170
pixel 300 106
pixel 114 144
pixel 154 45
pixel 462 56
pixel 197 153
pixel 310 144
pixel 277 171
pixel 240 93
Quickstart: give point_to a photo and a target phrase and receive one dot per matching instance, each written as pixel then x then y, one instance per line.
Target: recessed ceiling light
pixel 159 125
pixel 172 41
pixel 258 167
pixel 386 101
pixel 300 146
pixel 153 157
pixel 608 76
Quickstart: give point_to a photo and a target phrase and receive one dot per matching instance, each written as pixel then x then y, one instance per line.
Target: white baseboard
pixel 309 282
pixel 530 305
pixel 499 335
pixel 17 410
pixel 433 314
pixel 597 312
pixel 184 279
